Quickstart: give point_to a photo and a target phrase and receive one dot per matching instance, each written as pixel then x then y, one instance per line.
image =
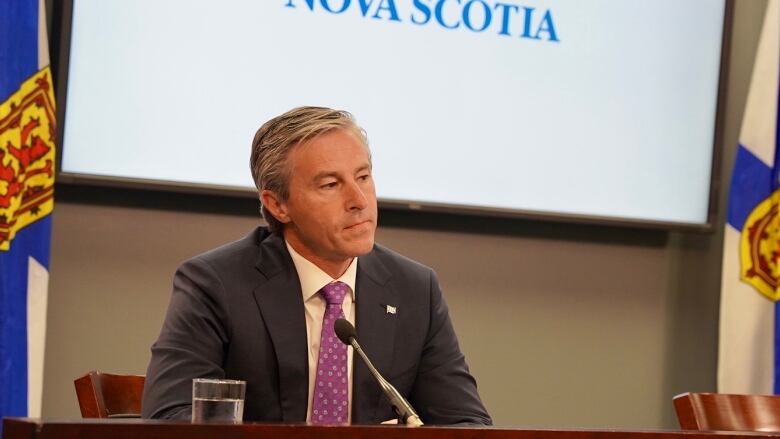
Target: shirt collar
pixel 313 278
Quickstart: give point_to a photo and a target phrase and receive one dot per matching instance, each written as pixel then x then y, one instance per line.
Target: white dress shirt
pixel 312 280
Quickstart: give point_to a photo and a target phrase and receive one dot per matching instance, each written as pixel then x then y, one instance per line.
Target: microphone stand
pixel 404 411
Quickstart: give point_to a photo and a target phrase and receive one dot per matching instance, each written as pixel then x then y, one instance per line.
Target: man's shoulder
pixel 395 262
pixel 244 250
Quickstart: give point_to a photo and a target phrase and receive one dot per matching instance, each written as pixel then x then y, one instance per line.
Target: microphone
pixel 406 414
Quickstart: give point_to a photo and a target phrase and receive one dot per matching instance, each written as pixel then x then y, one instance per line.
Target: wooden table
pixel 26 428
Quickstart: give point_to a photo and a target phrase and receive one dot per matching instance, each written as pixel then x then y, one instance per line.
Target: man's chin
pixel 365 248
pixel 362 246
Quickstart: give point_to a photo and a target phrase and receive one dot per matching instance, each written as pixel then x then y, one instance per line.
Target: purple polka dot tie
pixel 330 401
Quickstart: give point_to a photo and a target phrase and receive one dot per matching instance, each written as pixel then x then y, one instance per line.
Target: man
pixel 262 309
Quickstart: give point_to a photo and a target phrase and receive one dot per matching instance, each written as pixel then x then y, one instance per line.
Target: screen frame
pixel 60 40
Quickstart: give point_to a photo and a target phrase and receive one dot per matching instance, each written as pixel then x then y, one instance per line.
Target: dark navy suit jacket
pixel 237 312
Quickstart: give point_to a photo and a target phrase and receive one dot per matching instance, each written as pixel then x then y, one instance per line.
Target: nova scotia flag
pixel 27 128
pixel 749 354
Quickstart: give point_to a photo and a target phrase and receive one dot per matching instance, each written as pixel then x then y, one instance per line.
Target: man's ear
pixel 275 205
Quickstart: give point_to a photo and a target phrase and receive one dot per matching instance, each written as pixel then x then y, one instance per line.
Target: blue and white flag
pixel 27 130
pixel 749 335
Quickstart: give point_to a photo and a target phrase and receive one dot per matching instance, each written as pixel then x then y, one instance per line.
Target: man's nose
pixel 356 197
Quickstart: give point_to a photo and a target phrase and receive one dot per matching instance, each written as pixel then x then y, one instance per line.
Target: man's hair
pixel 277 137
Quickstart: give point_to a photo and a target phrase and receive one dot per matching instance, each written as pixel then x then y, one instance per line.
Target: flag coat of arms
pixel 749 343
pixel 27 159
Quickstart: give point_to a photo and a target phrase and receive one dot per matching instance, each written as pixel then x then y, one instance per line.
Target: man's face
pixel 330 215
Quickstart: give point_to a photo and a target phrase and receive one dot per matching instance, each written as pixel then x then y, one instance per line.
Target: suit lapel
pixel 376 329
pixel 281 306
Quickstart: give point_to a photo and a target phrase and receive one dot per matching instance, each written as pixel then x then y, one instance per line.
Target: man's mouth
pixel 356 225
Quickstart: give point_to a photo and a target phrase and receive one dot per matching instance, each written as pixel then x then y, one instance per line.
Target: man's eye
pixel 330 185
pixel 364 177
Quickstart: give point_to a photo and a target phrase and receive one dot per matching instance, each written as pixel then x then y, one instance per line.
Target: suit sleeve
pixel 444 391
pixel 192 342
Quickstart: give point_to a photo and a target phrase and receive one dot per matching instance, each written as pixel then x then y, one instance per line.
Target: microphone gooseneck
pixel 406 414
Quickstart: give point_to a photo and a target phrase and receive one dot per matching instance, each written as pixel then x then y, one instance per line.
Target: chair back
pixel 103 395
pixel 720 411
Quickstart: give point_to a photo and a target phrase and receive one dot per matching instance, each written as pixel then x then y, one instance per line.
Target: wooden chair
pixel 719 411
pixel 103 395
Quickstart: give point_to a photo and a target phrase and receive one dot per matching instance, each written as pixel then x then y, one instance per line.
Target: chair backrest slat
pixel 727 412
pixel 103 395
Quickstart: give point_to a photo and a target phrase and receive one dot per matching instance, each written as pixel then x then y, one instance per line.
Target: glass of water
pixel 215 400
